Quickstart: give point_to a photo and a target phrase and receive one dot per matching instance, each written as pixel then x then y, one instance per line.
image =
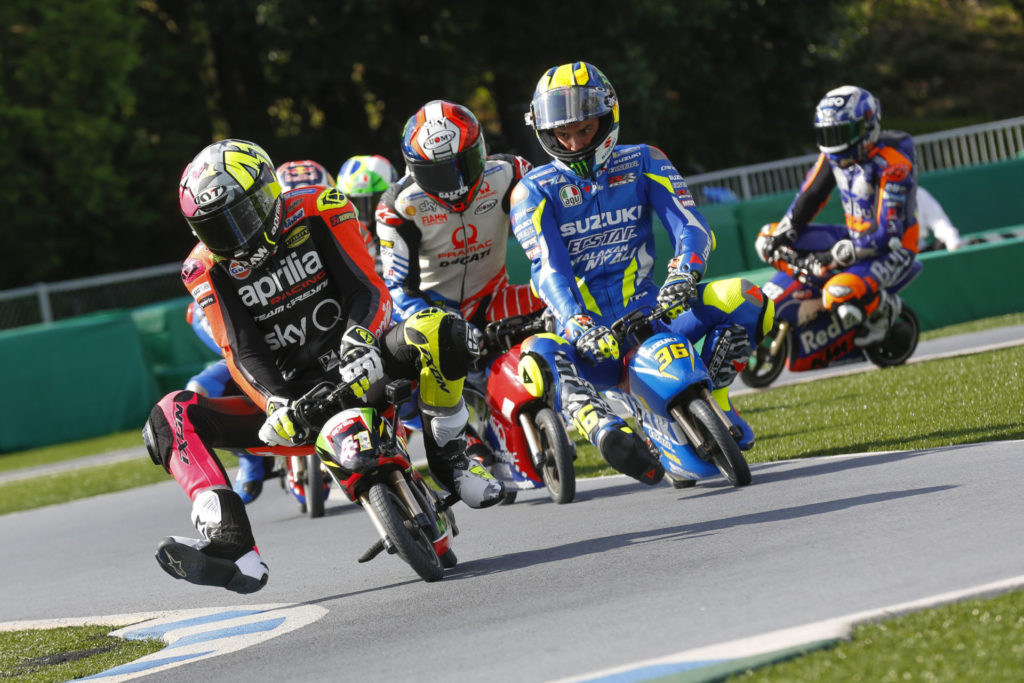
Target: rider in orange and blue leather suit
pixel 585 221
pixel 875 250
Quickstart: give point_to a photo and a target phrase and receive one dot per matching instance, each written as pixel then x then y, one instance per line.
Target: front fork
pixel 700 444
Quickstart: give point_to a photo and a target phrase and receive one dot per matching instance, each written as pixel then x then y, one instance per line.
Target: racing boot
pixel 226 554
pixel 624 450
pixel 877 326
pixel 249 479
pixel 444 440
pixel 618 444
pixel 746 440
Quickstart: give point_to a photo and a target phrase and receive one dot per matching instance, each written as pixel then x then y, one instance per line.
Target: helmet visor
pixel 838 136
pixel 569 105
pixel 451 178
pixel 230 230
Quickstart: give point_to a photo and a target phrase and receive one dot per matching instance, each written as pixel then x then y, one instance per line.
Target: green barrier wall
pixel 173 351
pixel 72 380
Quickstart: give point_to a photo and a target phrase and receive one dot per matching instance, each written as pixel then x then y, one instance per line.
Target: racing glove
pixel 361 362
pixel 772 237
pixel 842 255
pixel 593 342
pixel 279 427
pixel 679 290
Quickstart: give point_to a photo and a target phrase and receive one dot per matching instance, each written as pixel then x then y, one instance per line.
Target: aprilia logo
pixel 293 270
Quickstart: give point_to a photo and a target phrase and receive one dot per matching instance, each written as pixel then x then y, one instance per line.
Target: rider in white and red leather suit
pixel 450 252
pixel 293 300
pixel 877 180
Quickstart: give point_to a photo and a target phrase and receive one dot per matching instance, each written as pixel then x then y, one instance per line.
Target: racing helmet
pixel 292 174
pixel 847 122
pixel 230 197
pixel 573 93
pixel 443 147
pixel 363 180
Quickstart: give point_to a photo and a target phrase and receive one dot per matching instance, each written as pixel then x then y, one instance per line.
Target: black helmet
pixel 230 197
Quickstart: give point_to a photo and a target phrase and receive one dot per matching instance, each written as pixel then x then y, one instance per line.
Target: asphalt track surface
pixel 622 576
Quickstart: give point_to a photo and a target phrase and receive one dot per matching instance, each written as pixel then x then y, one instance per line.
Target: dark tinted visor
pixel 449 178
pixel 228 230
pixel 839 134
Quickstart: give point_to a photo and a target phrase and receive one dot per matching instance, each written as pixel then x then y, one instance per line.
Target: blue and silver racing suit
pixel 592 251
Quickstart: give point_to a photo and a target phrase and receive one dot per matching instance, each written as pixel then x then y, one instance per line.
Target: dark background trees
pixel 103 102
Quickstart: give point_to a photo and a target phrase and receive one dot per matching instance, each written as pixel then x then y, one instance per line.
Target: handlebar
pixel 314 408
pixel 636 326
pixel 502 335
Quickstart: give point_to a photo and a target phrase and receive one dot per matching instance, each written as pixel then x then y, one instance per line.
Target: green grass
pixel 62 654
pixel 937 403
pixel 973 640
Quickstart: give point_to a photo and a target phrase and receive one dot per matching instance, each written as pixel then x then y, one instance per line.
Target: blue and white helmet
pixel 847 122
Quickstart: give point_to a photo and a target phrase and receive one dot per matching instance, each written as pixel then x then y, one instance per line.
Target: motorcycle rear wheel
pixel 899 344
pixel 409 540
pixel 558 472
pixel 725 453
pixel 314 486
pixel 763 368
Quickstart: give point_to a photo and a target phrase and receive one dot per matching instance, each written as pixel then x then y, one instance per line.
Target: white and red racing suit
pixel 431 256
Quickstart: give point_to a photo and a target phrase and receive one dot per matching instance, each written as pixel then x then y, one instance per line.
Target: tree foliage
pixel 103 102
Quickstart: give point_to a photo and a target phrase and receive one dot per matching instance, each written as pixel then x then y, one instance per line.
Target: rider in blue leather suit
pixel 585 221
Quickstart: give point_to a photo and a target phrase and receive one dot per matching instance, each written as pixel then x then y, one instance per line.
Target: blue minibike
pixel 667 388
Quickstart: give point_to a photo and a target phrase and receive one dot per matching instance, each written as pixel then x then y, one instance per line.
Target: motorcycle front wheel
pixel 764 367
pixel 725 453
pixel 899 344
pixel 558 472
pixel 409 540
pixel 314 486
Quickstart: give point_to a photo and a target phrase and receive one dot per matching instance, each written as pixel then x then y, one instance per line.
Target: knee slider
pixel 158 438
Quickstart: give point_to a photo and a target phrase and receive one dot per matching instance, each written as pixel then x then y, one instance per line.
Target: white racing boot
pixel 226 555
pixel 877 326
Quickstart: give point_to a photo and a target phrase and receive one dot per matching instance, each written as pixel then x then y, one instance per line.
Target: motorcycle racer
pixel 292 298
pixel 877 180
pixel 444 227
pixel 585 222
pixel 444 230
pixel 363 179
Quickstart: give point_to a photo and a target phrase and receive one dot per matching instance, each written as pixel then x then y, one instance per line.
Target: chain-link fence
pixel 970 146
pixel 46 302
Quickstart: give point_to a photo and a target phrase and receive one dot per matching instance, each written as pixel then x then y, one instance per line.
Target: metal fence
pixel 46 302
pixel 954 148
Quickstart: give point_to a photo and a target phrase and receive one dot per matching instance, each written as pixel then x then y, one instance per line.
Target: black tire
pixel 314 486
pixel 449 560
pixel 410 541
pixel 725 453
pixel 509 497
pixel 899 344
pixel 763 367
pixel 558 472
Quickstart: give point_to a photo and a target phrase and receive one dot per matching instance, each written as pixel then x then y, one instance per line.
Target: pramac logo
pixel 463 237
